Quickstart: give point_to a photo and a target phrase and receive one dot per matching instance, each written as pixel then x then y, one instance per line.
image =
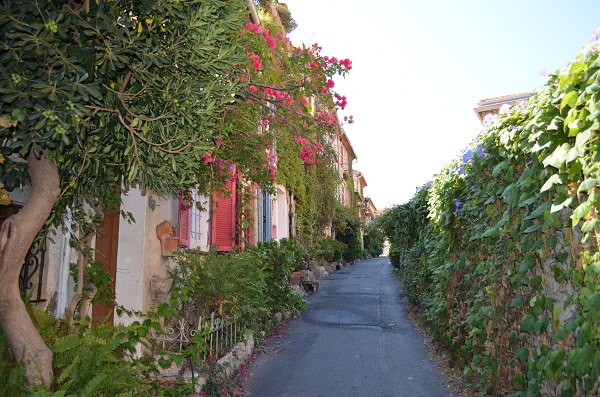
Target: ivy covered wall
pixel 500 251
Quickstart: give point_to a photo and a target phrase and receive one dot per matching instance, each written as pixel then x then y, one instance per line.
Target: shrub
pixel 504 260
pixel 348 232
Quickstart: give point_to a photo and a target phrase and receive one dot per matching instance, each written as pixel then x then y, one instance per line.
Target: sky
pixel 421 66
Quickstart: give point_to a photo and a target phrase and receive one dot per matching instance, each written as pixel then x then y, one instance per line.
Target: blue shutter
pixel 268 218
pixel 261 216
pixel 264 215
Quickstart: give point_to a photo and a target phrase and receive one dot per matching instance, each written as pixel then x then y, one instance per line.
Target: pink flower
pixel 346 63
pixel 304 101
pixel 253 28
pixel 279 36
pixel 255 61
pixel 330 83
pixel 252 88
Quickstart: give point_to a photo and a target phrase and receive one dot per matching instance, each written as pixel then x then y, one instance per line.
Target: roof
pixel 504 98
pixel 492 105
pixel 361 177
pixel 346 142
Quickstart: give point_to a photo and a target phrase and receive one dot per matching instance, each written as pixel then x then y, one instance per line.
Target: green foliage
pixel 89 362
pixel 330 250
pixel 249 286
pixel 127 92
pixel 374 238
pixel 289 97
pixel 408 229
pixel 218 384
pixel 501 250
pixel 348 232
pixel 96 275
pixel 12 373
pixel 4 199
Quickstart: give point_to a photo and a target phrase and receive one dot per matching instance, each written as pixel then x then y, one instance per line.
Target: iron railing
pixel 32 274
pixel 218 334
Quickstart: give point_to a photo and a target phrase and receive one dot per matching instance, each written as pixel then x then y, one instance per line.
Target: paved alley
pixel 355 339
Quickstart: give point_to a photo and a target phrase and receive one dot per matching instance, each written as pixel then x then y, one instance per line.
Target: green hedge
pixel 501 249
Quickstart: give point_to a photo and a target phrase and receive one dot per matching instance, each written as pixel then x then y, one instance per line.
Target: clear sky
pixel 421 66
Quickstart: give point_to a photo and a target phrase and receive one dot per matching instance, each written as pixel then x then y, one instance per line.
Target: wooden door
pixel 106 253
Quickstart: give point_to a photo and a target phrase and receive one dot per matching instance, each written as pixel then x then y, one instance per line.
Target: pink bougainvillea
pixel 255 61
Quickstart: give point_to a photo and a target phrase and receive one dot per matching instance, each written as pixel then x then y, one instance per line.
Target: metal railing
pixel 218 334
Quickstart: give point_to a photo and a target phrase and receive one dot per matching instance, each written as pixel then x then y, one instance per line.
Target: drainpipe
pixel 253 13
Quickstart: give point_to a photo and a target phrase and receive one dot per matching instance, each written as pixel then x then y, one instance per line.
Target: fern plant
pixel 98 361
pixel 12 374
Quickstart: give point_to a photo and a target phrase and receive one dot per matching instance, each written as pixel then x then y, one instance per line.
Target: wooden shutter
pixel 223 219
pixel 265 212
pixel 261 215
pixel 183 217
pixel 269 217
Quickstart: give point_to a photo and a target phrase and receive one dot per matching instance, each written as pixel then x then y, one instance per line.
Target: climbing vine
pixel 505 260
pixel 288 104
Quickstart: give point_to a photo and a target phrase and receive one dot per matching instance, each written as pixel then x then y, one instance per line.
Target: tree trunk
pixel 16 236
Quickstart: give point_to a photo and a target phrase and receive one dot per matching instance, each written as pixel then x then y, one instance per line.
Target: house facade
pixel 344 157
pixel 137 251
pixel 365 207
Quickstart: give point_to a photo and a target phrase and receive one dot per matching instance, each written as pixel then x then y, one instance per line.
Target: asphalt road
pixel 355 339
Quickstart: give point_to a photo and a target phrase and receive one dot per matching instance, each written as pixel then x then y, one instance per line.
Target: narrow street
pixel 355 339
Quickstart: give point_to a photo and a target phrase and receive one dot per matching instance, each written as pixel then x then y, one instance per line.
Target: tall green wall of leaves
pixel 500 251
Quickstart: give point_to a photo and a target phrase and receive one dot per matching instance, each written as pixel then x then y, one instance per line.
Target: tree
pixel 348 232
pixel 374 238
pixel 100 94
pixel 291 89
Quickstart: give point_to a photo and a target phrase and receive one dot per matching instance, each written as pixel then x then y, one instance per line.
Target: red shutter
pixel 183 217
pixel 223 219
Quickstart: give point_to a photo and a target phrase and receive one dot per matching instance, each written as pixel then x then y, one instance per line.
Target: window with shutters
pixel 195 217
pixel 183 217
pixel 265 223
pixel 192 221
pixel 223 218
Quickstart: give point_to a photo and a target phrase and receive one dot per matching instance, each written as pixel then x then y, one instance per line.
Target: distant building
pixel 344 156
pixel 489 106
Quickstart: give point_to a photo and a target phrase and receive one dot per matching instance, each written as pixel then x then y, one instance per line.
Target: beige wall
pixel 139 254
